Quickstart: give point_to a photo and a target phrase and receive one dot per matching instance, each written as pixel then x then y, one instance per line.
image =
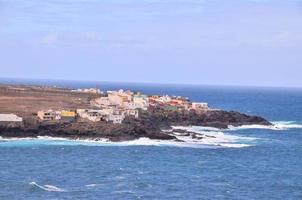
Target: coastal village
pixel 113 106
pixel 119 115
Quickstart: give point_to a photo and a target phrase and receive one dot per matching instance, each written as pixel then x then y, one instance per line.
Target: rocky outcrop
pixel 150 124
pixel 211 118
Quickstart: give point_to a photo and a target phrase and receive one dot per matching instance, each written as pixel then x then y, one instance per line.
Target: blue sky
pixel 221 42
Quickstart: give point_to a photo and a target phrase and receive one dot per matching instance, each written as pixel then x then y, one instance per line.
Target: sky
pixel 213 42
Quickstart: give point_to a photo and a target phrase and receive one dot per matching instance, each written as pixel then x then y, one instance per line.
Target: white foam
pixel 50 138
pixel 206 137
pixel 235 145
pixel 152 142
pixel 49 188
pixel 187 142
pixel 196 128
pixel 278 125
pixel 92 185
pixel 220 140
pixel 283 125
pixel 244 127
pixel 15 139
pixel 215 137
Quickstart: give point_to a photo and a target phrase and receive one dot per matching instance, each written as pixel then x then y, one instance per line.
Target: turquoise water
pixel 247 163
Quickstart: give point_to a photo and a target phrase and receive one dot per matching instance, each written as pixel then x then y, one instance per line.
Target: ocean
pixel 250 162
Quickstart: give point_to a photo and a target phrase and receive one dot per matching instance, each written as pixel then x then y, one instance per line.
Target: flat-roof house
pixel 48 115
pixel 200 106
pixel 68 113
pixel 141 101
pixel 132 112
pixel 10 118
pixel 92 115
pixel 116 119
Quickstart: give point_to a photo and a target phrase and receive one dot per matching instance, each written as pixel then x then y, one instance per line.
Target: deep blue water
pixel 270 168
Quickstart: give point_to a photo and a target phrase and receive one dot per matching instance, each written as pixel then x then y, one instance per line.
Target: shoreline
pixel 152 115
pixel 203 137
pixel 58 141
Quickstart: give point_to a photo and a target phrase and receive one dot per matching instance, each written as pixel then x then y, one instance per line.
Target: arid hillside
pixel 25 100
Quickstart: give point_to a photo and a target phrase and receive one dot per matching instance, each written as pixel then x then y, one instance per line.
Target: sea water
pixel 249 162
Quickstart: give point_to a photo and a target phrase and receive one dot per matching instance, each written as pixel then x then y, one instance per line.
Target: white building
pixel 130 105
pixel 92 115
pixel 115 99
pixel 116 119
pixel 141 101
pixel 131 112
pixel 119 97
pixel 107 111
pixel 10 118
pixel 200 106
pixel 89 90
pixel 81 111
pixel 165 99
pixel 102 101
pixel 48 115
pixel 109 114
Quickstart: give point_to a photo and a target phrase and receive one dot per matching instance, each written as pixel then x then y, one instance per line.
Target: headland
pixel 32 111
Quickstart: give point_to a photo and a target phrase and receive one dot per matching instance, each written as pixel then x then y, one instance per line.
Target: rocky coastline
pixel 151 124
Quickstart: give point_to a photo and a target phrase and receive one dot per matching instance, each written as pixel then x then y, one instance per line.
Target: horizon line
pixel 40 80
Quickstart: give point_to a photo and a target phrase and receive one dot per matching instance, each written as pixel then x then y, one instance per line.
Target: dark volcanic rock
pixel 179 130
pixel 149 125
pixel 213 118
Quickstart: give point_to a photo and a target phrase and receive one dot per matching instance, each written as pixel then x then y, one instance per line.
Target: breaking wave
pixel 48 188
pixel 214 137
pixel 196 128
pixel 283 125
pixel 200 137
pixel 277 125
pixel 185 142
pixel 219 141
pixel 204 137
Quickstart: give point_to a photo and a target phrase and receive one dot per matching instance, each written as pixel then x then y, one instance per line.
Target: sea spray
pixel 277 126
pixel 211 138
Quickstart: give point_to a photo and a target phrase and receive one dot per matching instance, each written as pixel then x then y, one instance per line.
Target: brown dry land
pixel 26 100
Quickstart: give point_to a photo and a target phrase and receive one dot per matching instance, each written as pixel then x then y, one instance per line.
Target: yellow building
pixel 68 113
